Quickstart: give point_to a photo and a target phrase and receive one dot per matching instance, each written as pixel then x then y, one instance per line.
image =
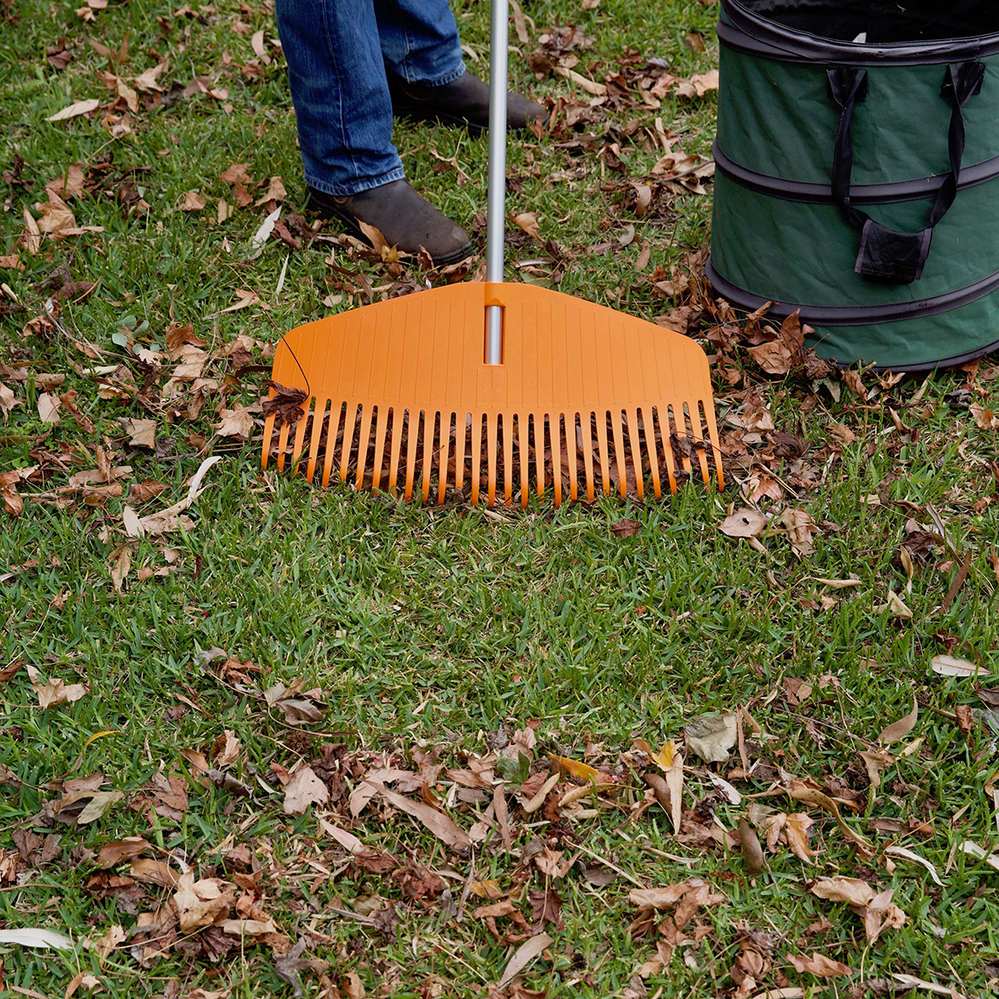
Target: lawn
pixel 285 740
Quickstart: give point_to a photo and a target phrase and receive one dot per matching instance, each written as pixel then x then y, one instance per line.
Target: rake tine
pixel 491 471
pixel 399 427
pixel 539 452
pixel 508 419
pixel 702 441
pixel 555 436
pixel 522 445
pixel 268 434
pixel 347 444
pixel 649 436
pixel 664 435
pixel 636 453
pixel 709 420
pixel 318 420
pixel 381 432
pixel 443 455
pixel 460 432
pixel 571 454
pixel 684 423
pixel 585 420
pixel 363 444
pixel 602 447
pixel 617 431
pixel 476 456
pixel 428 452
pixel 283 445
pixel 331 440
pixel 300 436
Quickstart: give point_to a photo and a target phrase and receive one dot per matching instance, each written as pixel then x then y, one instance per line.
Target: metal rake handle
pixel 496 204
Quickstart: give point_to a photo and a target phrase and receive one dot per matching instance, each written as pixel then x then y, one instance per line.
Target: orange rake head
pixel 584 398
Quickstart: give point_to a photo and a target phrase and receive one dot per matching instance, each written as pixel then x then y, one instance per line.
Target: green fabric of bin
pixel 783 232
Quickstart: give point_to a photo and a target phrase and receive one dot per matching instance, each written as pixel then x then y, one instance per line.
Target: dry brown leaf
pixel 68 184
pixel 744 523
pixel 104 945
pixel 525 955
pixel 49 405
pixel 528 221
pixel 796 826
pixel 275 192
pixel 901 728
pixel 237 422
pixel 154 872
pixel 142 433
pixel 439 824
pixel 712 736
pixel 819 965
pixel 202 903
pixel 52 693
pixel 853 891
pixel 304 789
pixel 193 202
pixel 75 109
pixel 57 216
pixel 120 850
pixel 226 750
pixel 800 530
pixel 985 418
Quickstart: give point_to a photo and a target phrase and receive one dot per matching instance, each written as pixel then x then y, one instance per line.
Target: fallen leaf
pixel 800 529
pixel 439 824
pixel 304 789
pixel 819 965
pixel 82 807
pixel 796 826
pixel 104 945
pixel 901 728
pixel 201 903
pixel 68 184
pixel 193 202
pixel 275 192
pixel 525 955
pixel 236 422
pixel 626 528
pixel 574 768
pixel 75 109
pixel 52 693
pixel 142 433
pixel 949 666
pixel 528 221
pixel 118 851
pixel 901 851
pixel 48 407
pixel 987 419
pixel 37 938
pixel 711 736
pixel 744 523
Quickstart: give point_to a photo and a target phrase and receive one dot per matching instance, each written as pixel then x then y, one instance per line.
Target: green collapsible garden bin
pixel 857 163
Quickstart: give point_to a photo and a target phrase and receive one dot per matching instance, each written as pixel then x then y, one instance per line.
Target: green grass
pixel 432 629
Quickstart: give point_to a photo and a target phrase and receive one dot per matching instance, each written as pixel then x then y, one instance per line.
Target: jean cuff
pixel 442 79
pixel 355 187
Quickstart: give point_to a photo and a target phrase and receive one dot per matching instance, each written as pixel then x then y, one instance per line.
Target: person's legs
pixel 426 74
pixel 337 76
pixel 336 70
pixel 419 40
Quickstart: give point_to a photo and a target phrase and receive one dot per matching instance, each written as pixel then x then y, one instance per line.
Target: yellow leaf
pixel 574 768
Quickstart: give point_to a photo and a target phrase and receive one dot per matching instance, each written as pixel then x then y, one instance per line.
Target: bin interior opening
pixel 877 22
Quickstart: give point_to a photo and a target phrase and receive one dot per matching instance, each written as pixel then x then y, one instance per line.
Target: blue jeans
pixel 337 52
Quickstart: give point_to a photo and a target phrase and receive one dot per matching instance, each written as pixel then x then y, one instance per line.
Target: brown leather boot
pixel 463 102
pixel 403 217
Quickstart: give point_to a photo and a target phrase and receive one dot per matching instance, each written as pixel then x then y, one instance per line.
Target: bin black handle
pixel 886 254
